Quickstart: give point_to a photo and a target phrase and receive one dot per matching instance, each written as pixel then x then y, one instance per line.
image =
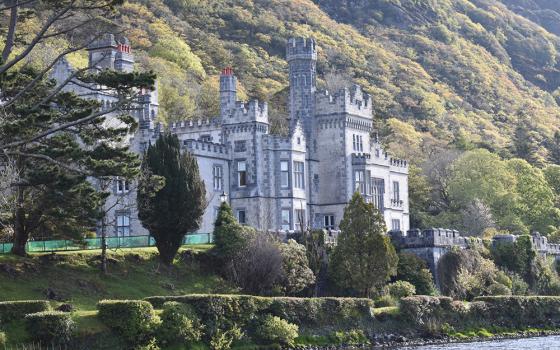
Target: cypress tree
pixel 176 208
pixel 364 258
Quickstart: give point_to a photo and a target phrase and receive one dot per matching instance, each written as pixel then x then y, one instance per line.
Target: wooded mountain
pixel 461 73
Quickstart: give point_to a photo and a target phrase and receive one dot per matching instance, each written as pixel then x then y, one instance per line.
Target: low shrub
pixel 385 301
pixel 274 330
pixel 16 310
pixel 3 339
pixel 351 337
pixel 134 320
pixel 50 327
pixel 420 309
pixel 223 339
pixel 400 289
pixel 179 324
pixel 518 311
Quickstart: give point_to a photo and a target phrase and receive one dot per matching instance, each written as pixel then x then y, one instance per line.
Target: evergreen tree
pixel 176 208
pixel 364 258
pixel 229 238
pixel 554 149
pixel 53 195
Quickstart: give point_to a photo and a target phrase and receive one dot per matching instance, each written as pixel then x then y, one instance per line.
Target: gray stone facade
pixel 272 182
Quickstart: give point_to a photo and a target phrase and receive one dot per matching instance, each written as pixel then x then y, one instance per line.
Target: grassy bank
pixel 75 278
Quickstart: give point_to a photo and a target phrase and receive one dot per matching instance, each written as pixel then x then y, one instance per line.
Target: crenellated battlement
pixel 348 100
pixel 301 48
pixel 244 112
pixel 206 148
pixel 194 125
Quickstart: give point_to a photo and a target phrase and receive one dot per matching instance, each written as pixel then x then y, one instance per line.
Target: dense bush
pixel 15 310
pixel 519 311
pixel 179 324
pixel 419 310
pixel 134 320
pixel 400 289
pixel 50 327
pixel 3 339
pixel 223 339
pixel 351 337
pixel 385 301
pixel 415 270
pixel 296 274
pixel 274 330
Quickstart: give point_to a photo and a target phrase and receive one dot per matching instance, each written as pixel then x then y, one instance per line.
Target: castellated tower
pixel 110 53
pixel 301 54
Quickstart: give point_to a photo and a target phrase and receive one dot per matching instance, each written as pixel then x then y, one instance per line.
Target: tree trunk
pixel 20 233
pixel 104 245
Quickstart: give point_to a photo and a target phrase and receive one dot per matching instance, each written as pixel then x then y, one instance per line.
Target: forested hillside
pixel 449 79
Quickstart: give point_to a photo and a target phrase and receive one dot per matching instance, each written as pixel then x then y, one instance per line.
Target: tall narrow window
pixel 284 174
pixel 299 175
pixel 361 143
pixel 241 216
pixel 329 222
pixel 123 225
pixel 286 224
pixel 218 177
pixel 396 192
pixel 354 142
pixel 360 183
pixel 300 220
pixel 123 186
pixel 378 193
pixel 396 225
pixel 241 173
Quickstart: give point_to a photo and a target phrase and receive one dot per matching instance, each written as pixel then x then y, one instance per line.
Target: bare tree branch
pixel 11 31
pixel 38 37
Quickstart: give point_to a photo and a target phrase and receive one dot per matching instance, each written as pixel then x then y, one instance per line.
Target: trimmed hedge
pixel 222 311
pixel 134 320
pixel 518 311
pixel 16 310
pixel 50 327
pixel 502 311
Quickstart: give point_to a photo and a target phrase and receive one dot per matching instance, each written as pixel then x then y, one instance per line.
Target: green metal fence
pixel 95 243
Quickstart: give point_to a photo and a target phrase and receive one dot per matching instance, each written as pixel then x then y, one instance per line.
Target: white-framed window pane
pixel 300 219
pixel 396 225
pixel 241 173
pixel 284 174
pixel 299 175
pixel 396 191
pixel 218 177
pixel 123 225
pixel 329 222
pixel 378 193
pixel 286 219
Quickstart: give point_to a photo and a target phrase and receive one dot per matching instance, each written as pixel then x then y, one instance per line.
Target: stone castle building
pixel 272 182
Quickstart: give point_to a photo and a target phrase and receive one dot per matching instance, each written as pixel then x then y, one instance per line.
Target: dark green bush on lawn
pixel 134 320
pixel 50 327
pixel 16 310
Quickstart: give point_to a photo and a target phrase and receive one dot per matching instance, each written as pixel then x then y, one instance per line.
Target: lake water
pixel 543 343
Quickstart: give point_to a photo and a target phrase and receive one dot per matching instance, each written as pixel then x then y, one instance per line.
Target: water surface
pixel 542 343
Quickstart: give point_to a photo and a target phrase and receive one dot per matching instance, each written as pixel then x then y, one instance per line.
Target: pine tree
pixel 364 258
pixel 176 209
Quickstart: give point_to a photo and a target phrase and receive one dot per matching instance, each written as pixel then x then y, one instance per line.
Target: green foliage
pixel 179 325
pixel 415 270
pixel 296 272
pixel 3 339
pixel 400 289
pixel 223 312
pixel 364 258
pixel 177 208
pixel 386 301
pixel 465 274
pixel 50 327
pixel 274 330
pixel 518 257
pixel 230 237
pixel 134 320
pixel 351 337
pixel 16 310
pixel 223 339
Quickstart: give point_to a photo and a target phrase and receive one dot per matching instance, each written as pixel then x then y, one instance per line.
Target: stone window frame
pixel 122 223
pixel 299 174
pixel 287 211
pixel 239 216
pixel 329 221
pixel 285 174
pixel 241 175
pixel 218 177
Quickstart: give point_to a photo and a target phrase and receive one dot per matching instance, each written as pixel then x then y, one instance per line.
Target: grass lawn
pixel 75 277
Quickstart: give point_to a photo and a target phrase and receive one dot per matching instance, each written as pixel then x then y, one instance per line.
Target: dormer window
pixel 123 186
